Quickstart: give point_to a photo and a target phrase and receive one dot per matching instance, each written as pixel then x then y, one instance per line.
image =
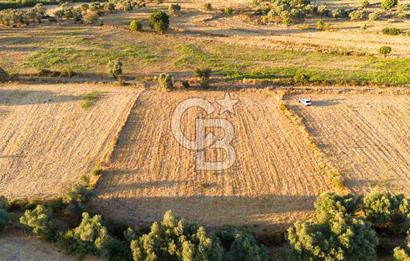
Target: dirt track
pixel 274 178
pixel 367 137
pixel 48 140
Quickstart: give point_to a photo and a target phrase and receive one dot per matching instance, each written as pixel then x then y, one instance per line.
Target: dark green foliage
pixel 39 220
pixel 4 215
pixel 204 75
pixel 243 247
pixel 228 11
pixel 389 4
pixel 174 9
pixel 387 212
pixel 78 197
pixel 185 84
pixel 172 239
pixel 159 22
pixel 135 26
pixel 115 68
pixel 91 237
pixel 165 82
pixel 301 78
pixel 385 50
pixel 330 204
pixel 4 76
pixel 392 31
pixel 403 254
pixel 339 238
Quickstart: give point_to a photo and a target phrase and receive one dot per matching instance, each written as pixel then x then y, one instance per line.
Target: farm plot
pixel 367 137
pixel 274 178
pixel 48 140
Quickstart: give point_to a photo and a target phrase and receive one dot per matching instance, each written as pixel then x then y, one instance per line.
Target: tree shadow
pixel 25 97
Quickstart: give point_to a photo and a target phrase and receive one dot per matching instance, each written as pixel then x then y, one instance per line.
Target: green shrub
pixel 4 215
pixel 39 220
pixel 174 9
pixel 339 238
pixel 172 239
pixel 135 26
pixel 159 22
pixel 4 76
pixel 391 31
pixel 337 13
pixel 185 84
pixel 385 50
pixel 356 15
pixel 115 68
pixel 389 4
pixel 208 7
pixel 165 82
pixel 387 212
pixel 92 237
pixel 204 75
pixel 322 10
pixel 330 204
pixel 322 26
pixel 364 4
pixel 301 78
pixel 403 254
pixel 228 11
pixel 374 16
pixel 90 99
pixel 242 246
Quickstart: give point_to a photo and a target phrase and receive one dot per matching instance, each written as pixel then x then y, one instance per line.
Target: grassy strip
pixel 90 99
pixel 336 178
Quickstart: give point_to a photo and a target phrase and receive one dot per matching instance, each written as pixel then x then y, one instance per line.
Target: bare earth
pixel 367 137
pixel 274 179
pixel 48 140
pixel 21 247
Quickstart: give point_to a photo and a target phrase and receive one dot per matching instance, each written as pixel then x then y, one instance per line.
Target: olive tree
pixel 159 22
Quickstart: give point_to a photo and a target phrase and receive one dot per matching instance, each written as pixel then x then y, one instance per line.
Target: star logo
pixel 227 104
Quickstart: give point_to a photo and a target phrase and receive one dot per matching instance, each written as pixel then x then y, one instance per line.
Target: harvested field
pixel 273 181
pixel 48 140
pixel 366 136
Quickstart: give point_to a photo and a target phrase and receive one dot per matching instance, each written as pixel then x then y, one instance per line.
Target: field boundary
pixel 336 178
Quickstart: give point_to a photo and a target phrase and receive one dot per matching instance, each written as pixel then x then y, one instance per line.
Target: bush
pixel 301 78
pixel 387 212
pixel 339 238
pixel 228 11
pixel 337 13
pixel 391 31
pixel 203 75
pixel 159 22
pixel 4 76
pixel 208 7
pixel 135 26
pixel 364 4
pixel 4 215
pixel 403 254
pixel 174 9
pixel 242 246
pixel 165 82
pixel 356 15
pixel 172 239
pixel 389 4
pixel 92 237
pixel 91 17
pixel 385 50
pixel 39 220
pixel 321 10
pixel 330 204
pixel 115 68
pixel 374 16
pixel 322 26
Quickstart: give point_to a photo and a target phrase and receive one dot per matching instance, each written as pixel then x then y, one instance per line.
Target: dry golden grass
pixel 274 179
pixel 48 140
pixel 366 136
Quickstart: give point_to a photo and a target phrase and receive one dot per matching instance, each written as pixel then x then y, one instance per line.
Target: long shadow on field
pixel 265 210
pixel 25 97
